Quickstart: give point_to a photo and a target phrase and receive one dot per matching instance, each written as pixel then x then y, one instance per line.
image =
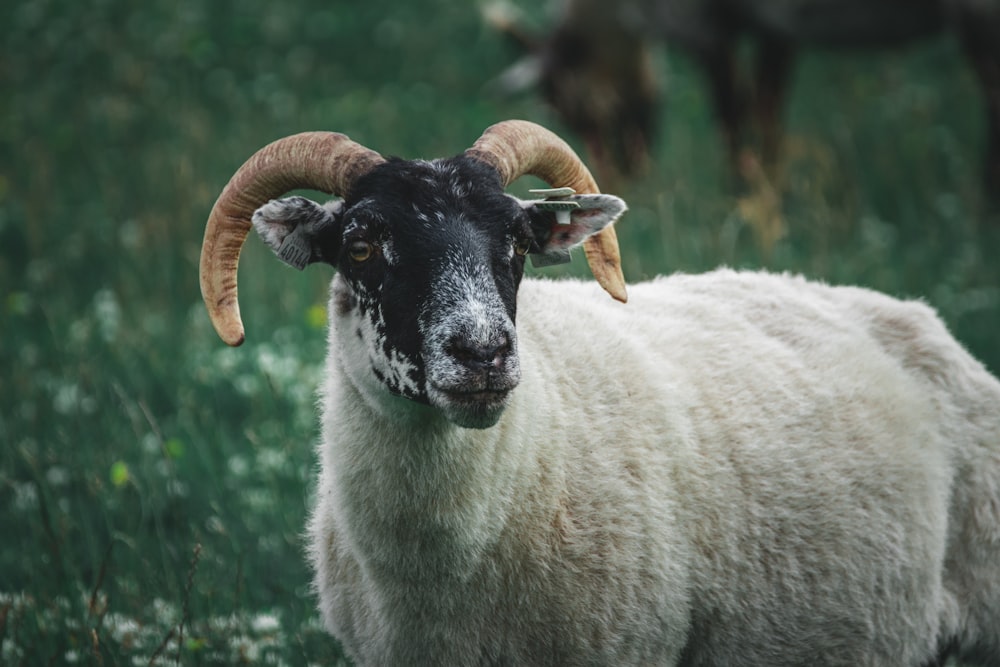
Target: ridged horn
pixel 517 147
pixel 325 161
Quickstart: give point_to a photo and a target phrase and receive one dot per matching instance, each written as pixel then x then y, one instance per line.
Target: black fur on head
pixel 429 257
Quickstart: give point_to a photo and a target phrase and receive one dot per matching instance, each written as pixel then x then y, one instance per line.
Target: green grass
pixel 154 483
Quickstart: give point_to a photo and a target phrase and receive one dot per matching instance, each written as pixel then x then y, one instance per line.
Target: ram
pixel 594 65
pixel 734 468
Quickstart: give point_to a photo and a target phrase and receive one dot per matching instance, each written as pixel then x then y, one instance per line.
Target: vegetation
pixel 154 483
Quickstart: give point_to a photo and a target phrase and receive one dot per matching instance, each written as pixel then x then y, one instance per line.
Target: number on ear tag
pixel 562 205
pixel 295 250
pixel 540 260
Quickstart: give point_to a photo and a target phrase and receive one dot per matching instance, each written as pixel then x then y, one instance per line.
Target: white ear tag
pixel 560 208
pixel 553 193
pixel 295 250
pixel 555 200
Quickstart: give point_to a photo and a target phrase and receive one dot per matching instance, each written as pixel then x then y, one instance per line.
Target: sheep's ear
pixel 556 231
pixel 300 231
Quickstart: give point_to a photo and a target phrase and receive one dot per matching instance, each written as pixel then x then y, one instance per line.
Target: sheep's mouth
pixel 475 397
pixel 472 388
pixel 471 408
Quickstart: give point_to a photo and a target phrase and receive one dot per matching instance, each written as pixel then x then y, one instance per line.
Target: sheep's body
pixel 735 468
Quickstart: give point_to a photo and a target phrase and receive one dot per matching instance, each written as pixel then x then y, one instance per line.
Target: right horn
pixel 325 161
pixel 518 147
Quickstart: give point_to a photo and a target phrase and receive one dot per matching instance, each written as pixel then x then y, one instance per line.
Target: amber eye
pixel 522 247
pixel 360 251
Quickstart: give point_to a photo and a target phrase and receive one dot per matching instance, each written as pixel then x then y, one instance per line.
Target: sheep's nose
pixel 477 356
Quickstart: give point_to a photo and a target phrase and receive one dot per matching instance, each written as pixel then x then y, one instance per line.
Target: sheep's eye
pixel 522 247
pixel 360 251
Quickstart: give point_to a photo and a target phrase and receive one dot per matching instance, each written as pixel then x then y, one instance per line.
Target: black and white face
pixel 429 257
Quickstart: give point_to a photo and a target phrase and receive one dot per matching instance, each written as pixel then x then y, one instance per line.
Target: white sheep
pixel 735 468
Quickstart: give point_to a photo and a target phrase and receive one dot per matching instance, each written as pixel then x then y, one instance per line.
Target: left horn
pixel 325 161
pixel 517 147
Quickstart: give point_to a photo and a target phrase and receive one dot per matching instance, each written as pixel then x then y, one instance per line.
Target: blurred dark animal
pixel 604 89
pixel 594 65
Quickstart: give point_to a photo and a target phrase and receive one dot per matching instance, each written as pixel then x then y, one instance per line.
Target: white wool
pixel 731 469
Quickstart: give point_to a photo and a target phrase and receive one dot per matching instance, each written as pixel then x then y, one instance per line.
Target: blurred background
pixel 154 483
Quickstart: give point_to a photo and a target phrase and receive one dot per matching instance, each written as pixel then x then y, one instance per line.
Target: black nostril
pixel 474 355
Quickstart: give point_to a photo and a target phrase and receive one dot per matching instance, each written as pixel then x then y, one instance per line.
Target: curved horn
pixel 518 147
pixel 325 161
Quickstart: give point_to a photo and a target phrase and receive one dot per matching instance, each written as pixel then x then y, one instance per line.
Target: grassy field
pixel 153 483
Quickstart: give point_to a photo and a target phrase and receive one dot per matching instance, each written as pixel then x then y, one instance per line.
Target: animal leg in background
pixel 728 101
pixel 980 38
pixel 775 58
